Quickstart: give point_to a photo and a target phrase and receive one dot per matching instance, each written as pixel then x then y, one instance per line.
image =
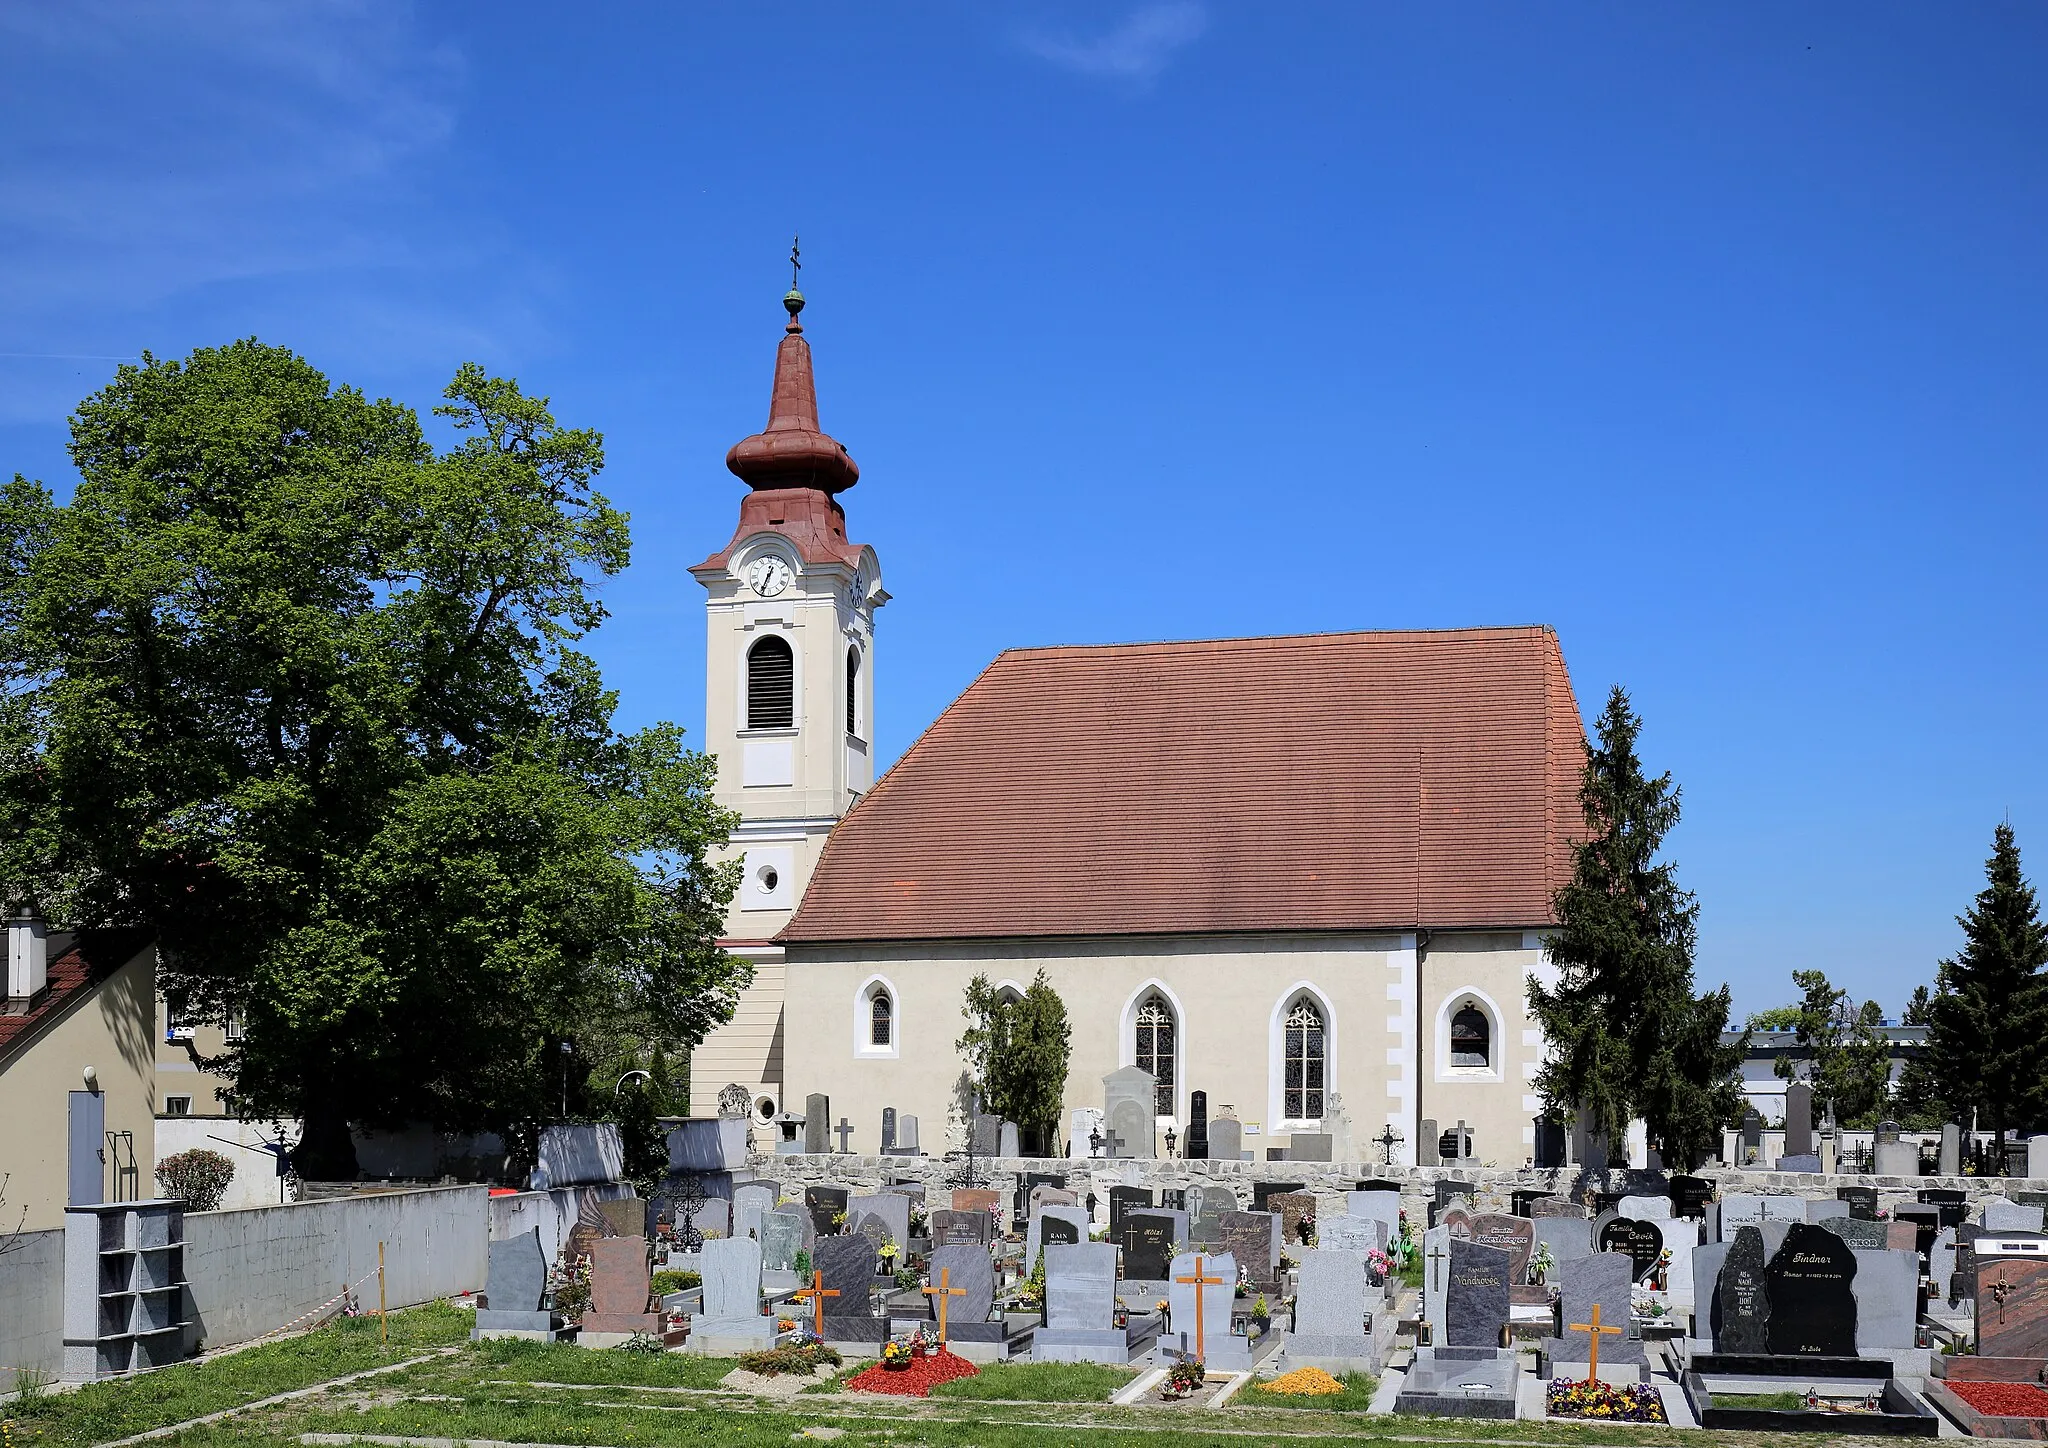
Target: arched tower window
pixel 771 684
pixel 853 692
pixel 1471 1037
pixel 1306 1062
pixel 1156 1048
pixel 881 1019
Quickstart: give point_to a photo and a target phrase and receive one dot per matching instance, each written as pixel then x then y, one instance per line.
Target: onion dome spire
pixel 791 452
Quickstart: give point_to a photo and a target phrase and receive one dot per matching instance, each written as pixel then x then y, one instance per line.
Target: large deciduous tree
pixel 1628 1038
pixel 301 693
pixel 1987 1021
pixel 1017 1052
pixel 1848 1059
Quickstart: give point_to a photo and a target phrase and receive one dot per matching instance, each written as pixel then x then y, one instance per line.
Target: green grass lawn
pixel 100 1411
pixel 526 1361
pixel 1039 1383
pixel 1356 1397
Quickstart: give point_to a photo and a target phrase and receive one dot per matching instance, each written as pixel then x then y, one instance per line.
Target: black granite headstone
pixel 1476 1296
pixel 1549 1144
pixel 825 1203
pixel 1690 1195
pixel 1862 1201
pixel 1148 1246
pixel 1742 1297
pixel 1642 1241
pixel 1813 1302
pixel 1926 1222
pixel 1264 1192
pixel 1121 1200
pixel 1057 1231
pixel 1198 1126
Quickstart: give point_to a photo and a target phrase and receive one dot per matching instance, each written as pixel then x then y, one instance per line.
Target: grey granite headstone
pixel 1216 1296
pixel 1436 1280
pixel 1951 1152
pixel 1601 1279
pixel 1569 1238
pixel 1073 1219
pixel 1206 1206
pixel 1859 1234
pixel 1342 1232
pixel 848 1265
pixel 1646 1209
pixel 817 1124
pixel 2001 1215
pixel 1047 1196
pixel 906 1136
pixel 516 1273
pixel 1226 1138
pixel 890 1209
pixel 1309 1146
pixel 1376 1206
pixel 1331 1299
pixel 1080 1285
pixel 731 1267
pixel 1132 1131
pixel 1476 1300
pixel 1887 1293
pixel 1741 1315
pixel 784 1233
pixel 1941 1265
pixel 1557 1207
pixel 955 1229
pixel 1129 1099
pixel 1006 1141
pixel 1824 1211
pixel 967 1267
pixel 1809 1163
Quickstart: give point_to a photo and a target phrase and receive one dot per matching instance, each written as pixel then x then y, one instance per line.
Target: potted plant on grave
pixel 1183 1379
pixel 1262 1318
pixel 1306 1229
pixel 1543 1263
pixel 896 1355
pixel 1379 1266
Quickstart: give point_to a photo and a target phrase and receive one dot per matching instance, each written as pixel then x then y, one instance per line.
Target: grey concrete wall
pixel 31 1304
pixel 255 1270
pixel 553 1211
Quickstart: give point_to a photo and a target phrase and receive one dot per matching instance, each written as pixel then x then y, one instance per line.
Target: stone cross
pixel 1594 1332
pixel 818 1292
pixel 1198 1282
pixel 845 1129
pixel 943 1291
pixel 1437 1258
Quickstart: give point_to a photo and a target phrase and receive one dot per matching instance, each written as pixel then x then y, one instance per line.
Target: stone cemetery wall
pixel 255 1270
pixel 32 1304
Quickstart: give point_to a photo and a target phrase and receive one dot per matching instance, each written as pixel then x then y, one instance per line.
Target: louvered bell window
pixel 853 692
pixel 1306 1063
pixel 771 684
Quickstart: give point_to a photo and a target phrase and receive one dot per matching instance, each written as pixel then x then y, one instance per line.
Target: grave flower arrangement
pixel 1542 1263
pixel 920 1221
pixel 1184 1378
pixel 1604 1402
pixel 1379 1265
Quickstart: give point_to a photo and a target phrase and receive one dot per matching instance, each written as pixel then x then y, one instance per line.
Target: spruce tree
pixel 1017 1051
pixel 1627 1035
pixel 1987 1024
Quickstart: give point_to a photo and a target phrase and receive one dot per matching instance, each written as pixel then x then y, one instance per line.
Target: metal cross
pixel 1999 1289
pixel 795 266
pixel 818 1292
pixel 942 1292
pixel 1198 1282
pixel 1594 1332
pixel 1387 1140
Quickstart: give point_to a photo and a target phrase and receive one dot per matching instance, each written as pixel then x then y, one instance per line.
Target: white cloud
pixel 1138 49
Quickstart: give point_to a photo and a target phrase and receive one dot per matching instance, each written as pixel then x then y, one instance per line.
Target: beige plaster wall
pixel 1490 969
pixel 748 1049
pixel 1229 992
pixel 178 1072
pixel 110 1028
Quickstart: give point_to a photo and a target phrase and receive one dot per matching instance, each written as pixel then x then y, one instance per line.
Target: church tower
pixel 789 698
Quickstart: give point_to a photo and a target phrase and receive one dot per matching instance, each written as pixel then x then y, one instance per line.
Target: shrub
pixel 199 1176
pixel 776 1361
pixel 666 1282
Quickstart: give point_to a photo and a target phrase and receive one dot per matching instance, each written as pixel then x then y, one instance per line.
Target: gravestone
pixel 1824 1211
pixel 1377 1206
pixel 1043 1197
pixel 891 1210
pixel 619 1290
pixel 906 1137
pixel 1798 1121
pixel 1813 1297
pixel 957 1229
pixel 1080 1286
pixel 817 1124
pixel 888 1131
pixel 1680 1239
pixel 1569 1238
pixel 984 1133
pixel 1129 1098
pixel 1554 1206
pixel 1600 1280
pixel 1742 1298
pixel 1226 1137
pixel 1331 1301
pixel 1264 1192
pixel 1887 1293
pixel 1054 1225
pixel 976 1199
pixel 1896 1158
pixel 1645 1209
pixel 1148 1237
pixel 1640 1242
pixel 1550 1138
pixel 962 1267
pixel 2012 1308
pixel 1006 1141
pixel 1197 1145
pixel 627 1216
pixel 1436 1273
pixel 1428 1141
pixel 515 1286
pixel 1476 1298
pixel 1309 1146
pixel 1515 1236
pixel 1857 1233
pixel 714 1143
pixel 785 1232
pixel 848 1265
pixel 1206 1205
pixel 1341 1232
pixel 1690 1195
pixel 2001 1215
pixel 2037 1157
pixel 731 1268
pixel 824 1204
pixel 751 1201
pixel 1253 1240
pixel 1862 1201
pixel 1752 1136
pixel 1121 1200
pixel 1292 1207
pixel 1809 1164
pixel 1951 1151
pixel 1941 1265
pixel 1216 1298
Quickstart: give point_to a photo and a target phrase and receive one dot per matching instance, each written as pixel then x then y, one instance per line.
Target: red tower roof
pixel 791 452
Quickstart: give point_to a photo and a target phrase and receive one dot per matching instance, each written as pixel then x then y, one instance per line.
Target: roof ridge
pixel 1298 640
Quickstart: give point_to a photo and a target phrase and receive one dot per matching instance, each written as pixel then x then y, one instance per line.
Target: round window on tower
pixel 769 879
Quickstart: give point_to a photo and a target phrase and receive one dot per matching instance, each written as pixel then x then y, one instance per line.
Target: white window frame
pixel 1128 1034
pixel 1446 1073
pixel 1276 1056
pixel 864 1047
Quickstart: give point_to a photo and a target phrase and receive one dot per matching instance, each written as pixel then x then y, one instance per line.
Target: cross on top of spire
pixel 793 300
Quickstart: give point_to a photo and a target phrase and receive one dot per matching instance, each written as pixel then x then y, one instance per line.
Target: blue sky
pixel 1714 337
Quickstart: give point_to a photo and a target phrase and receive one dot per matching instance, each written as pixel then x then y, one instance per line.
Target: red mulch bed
pixel 915 1381
pixel 2003 1400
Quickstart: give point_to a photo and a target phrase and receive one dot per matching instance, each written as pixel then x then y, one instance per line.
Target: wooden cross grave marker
pixel 818 1292
pixel 1594 1332
pixel 1198 1282
pixel 944 1290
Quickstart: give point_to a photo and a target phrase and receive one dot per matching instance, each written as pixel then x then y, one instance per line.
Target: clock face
pixel 769 576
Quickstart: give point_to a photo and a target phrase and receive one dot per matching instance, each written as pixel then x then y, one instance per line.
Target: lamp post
pixel 566 1049
pixel 1169 1141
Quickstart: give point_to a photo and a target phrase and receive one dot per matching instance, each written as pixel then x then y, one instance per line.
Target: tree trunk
pixel 326 1151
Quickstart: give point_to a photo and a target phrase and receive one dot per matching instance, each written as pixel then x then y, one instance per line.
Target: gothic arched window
pixel 1306 1062
pixel 771 684
pixel 853 692
pixel 881 1018
pixel 1471 1037
pixel 1156 1047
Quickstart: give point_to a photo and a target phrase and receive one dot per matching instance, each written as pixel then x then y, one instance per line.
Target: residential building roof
pixel 76 964
pixel 1358 781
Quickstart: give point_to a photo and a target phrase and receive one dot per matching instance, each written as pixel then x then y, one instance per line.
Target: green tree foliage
pixel 301 694
pixel 1987 1021
pixel 1848 1059
pixel 1627 1035
pixel 1017 1052
pixel 1777 1018
pixel 1917 1008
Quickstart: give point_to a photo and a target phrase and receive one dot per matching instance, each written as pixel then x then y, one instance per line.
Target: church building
pixel 1306 876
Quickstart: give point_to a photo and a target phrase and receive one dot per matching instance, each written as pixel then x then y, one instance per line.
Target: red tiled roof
pixel 77 964
pixel 1364 781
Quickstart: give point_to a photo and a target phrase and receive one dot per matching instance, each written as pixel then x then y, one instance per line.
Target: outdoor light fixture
pixel 1169 1141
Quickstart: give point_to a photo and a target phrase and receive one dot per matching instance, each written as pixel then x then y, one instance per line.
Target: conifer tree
pixel 1987 1023
pixel 1627 1035
pixel 1018 1050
